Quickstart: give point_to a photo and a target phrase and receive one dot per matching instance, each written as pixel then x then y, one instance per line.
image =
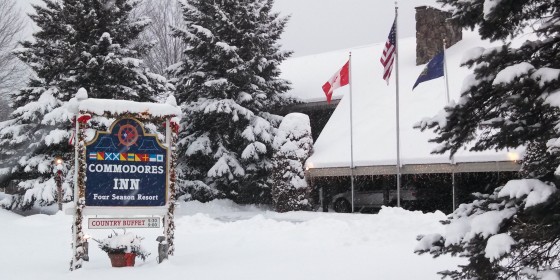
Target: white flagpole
pixel 445 74
pixel 351 131
pixel 397 104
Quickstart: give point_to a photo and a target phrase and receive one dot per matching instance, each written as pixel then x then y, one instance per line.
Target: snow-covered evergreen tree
pixel 292 145
pixel 510 100
pixel 80 43
pixel 509 234
pixel 227 84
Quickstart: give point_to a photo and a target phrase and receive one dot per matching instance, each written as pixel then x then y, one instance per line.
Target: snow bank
pixel 211 244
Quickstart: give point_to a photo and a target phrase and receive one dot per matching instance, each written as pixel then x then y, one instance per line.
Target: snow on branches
pixel 78 44
pixel 492 233
pixel 292 146
pixel 227 84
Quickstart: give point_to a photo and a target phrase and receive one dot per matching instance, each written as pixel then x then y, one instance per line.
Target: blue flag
pixel 433 70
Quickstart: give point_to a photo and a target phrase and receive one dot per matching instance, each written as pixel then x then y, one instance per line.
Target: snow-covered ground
pixel 221 240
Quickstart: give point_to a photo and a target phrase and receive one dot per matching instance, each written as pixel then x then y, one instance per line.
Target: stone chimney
pixel 432 26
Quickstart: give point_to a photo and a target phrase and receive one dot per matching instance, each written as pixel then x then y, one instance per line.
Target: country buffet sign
pixel 108 223
pixel 126 167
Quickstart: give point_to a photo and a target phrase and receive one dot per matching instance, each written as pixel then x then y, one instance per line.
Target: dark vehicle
pixel 373 199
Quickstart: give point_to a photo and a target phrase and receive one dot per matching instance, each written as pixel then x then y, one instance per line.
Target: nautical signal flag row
pixel 126 157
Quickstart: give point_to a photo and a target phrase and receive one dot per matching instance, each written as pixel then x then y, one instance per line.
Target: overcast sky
pixel 324 25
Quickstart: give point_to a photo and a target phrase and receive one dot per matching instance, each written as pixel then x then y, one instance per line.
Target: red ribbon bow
pixel 84 118
pixel 174 126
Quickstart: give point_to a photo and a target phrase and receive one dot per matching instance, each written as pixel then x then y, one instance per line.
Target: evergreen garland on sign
pixel 77 228
pixel 86 43
pixel 170 216
pixel 227 85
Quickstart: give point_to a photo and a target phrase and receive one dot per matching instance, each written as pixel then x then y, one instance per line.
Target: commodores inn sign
pixel 123 176
pixel 126 167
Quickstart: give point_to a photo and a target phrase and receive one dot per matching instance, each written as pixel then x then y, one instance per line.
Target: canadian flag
pixel 339 79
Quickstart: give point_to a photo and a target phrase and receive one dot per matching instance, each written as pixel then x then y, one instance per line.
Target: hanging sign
pixel 126 167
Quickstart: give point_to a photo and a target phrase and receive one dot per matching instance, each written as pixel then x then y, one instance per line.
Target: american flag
pixel 388 57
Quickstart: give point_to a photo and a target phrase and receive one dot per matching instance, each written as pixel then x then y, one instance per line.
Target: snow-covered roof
pixel 374 117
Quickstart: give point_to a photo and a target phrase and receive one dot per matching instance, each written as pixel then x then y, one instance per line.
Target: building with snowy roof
pixel 374 112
